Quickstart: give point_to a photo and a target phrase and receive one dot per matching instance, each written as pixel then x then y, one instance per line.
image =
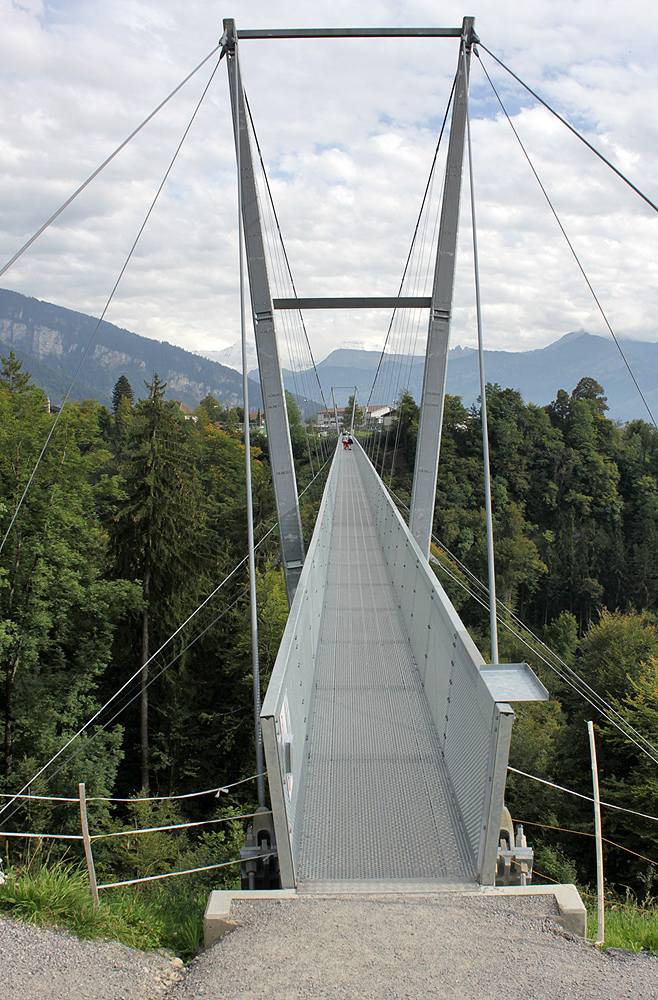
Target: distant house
pixel 325 420
pixel 377 417
pixel 256 422
pixel 374 418
pixel 186 410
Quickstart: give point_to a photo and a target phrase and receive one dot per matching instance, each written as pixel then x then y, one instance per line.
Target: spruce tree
pixel 122 390
pixel 154 531
pixel 12 376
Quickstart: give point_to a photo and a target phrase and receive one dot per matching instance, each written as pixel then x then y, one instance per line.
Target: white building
pixel 375 417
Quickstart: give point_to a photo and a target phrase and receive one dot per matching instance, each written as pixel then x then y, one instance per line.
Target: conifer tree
pixel 122 390
pixel 154 530
pixel 12 376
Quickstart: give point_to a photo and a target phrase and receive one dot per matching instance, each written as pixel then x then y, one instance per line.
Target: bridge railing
pixel 286 710
pixel 466 697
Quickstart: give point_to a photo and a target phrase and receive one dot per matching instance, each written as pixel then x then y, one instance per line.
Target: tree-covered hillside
pixel 137 514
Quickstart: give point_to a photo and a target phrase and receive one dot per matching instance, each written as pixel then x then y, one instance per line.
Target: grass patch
pixel 60 896
pixel 627 925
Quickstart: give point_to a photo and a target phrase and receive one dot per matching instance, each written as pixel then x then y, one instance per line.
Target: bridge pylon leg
pixel 274 397
pixel 436 357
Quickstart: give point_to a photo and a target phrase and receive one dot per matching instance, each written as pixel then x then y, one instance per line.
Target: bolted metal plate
pixel 378 805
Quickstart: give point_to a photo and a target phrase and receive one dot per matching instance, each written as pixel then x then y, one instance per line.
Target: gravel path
pixel 389 948
pixel 41 964
pixel 361 948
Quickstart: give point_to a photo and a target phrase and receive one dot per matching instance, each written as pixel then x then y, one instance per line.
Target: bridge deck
pixel 378 806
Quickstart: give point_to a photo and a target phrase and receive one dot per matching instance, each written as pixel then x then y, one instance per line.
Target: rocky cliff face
pixel 51 340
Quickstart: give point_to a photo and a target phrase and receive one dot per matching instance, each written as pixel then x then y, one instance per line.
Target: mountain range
pixel 51 341
pixel 536 374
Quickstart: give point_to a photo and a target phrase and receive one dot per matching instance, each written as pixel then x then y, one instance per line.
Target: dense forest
pixel 137 514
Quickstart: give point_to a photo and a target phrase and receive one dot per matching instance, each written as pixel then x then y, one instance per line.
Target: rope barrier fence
pixel 87 839
pixel 189 871
pixel 151 798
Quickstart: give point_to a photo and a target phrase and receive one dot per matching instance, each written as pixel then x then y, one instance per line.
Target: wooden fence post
pixel 87 842
pixel 600 937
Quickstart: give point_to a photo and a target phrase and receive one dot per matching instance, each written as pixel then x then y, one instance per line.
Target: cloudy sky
pixel 347 129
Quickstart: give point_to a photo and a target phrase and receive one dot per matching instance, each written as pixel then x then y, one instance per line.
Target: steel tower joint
pixel 229 38
pixel 438 337
pixel 469 37
pixel 274 398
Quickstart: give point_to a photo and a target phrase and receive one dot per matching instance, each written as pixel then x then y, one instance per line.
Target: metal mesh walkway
pixel 378 805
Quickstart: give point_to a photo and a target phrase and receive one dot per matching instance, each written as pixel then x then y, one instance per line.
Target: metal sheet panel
pixel 460 702
pixel 288 701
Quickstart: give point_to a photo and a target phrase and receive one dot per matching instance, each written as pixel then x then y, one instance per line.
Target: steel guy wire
pixel 102 727
pixel 131 679
pixel 109 159
pixel 105 725
pixel 283 246
pixel 124 833
pixel 171 826
pixel 606 712
pixel 149 798
pixel 107 305
pixel 418 221
pixel 591 695
pixel 136 674
pixel 483 403
pixel 289 324
pixel 571 129
pixel 393 370
pixel 188 871
pixel 571 247
pixel 579 795
pixel 564 671
pixel 503 610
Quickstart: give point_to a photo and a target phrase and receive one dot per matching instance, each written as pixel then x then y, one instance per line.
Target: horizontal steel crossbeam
pixel 359 302
pixel 350 33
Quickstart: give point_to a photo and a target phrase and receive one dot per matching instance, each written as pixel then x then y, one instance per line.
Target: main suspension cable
pixel 569 244
pixel 287 265
pixel 415 233
pixel 589 145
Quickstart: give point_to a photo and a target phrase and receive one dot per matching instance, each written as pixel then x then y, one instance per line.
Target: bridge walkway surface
pixel 378 803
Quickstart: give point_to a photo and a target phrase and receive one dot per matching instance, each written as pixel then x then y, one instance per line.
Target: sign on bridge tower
pixel 274 398
pixel 436 358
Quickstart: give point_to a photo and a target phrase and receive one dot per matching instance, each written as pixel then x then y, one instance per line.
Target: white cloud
pixel 348 129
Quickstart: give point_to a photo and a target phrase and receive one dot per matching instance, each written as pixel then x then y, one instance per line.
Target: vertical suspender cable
pixel 483 394
pixel 335 413
pixel 247 455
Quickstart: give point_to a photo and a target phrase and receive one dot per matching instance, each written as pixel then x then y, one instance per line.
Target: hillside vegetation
pixel 136 515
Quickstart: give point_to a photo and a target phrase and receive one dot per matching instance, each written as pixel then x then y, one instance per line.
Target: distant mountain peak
pixel 231 356
pixel 568 337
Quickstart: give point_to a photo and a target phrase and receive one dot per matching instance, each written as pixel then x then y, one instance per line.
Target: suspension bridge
pixel 385 731
pixel 386 734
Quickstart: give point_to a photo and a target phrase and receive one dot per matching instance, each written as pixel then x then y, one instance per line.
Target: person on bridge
pixel 349 442
pixel 345 440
